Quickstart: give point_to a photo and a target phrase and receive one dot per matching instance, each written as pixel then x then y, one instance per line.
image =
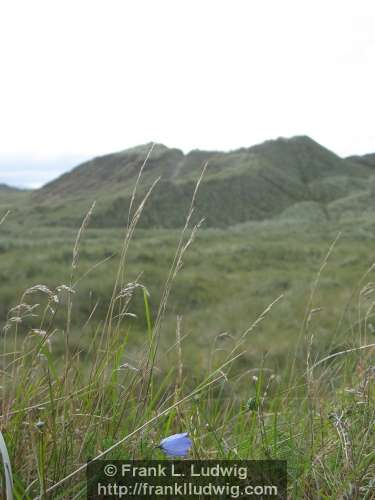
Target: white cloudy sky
pixel 83 78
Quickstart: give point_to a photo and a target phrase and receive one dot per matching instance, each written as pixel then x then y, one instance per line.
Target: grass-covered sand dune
pixel 248 184
pixel 257 339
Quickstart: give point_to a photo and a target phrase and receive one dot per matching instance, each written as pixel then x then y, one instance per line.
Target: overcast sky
pixel 83 78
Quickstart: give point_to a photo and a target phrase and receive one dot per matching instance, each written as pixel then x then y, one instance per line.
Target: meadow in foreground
pixel 114 382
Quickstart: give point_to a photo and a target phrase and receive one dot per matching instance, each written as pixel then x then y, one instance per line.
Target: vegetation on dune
pixel 255 183
pixel 367 160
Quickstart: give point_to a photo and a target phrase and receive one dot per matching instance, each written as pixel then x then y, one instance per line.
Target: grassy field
pixel 254 339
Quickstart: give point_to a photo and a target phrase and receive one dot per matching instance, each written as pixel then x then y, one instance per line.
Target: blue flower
pixel 177 445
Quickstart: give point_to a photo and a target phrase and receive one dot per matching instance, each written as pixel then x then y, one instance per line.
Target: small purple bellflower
pixel 177 445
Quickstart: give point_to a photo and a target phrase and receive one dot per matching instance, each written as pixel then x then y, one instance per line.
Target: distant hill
pixel 254 183
pixel 5 187
pixel 367 160
pixel 14 199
